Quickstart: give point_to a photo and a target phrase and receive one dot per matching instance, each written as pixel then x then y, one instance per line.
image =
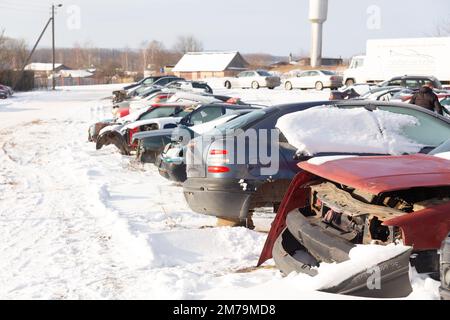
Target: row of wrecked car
pixel 338 174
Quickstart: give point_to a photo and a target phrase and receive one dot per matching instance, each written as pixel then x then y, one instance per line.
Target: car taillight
pixel 218 169
pixel 332 78
pixel 218 157
pixel 218 152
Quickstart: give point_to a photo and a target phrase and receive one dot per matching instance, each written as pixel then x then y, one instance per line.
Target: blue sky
pixel 272 26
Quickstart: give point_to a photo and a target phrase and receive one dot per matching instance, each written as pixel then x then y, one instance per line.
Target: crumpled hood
pixel 153 133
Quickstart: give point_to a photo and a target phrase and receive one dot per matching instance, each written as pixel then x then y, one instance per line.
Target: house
pixel 199 65
pixel 43 70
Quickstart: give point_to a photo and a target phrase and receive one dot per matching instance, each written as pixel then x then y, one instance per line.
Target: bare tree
pixel 442 28
pixel 187 44
pixel 13 52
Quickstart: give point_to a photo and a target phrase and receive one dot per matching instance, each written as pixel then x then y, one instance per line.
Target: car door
pixel 297 80
pixel 314 76
pixel 304 80
pixel 248 79
pixel 238 81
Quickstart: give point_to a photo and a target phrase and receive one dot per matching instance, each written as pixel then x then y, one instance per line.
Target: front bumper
pixel 218 197
pixel 302 245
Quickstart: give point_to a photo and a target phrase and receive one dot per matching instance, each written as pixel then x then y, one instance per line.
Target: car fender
pixel 424 229
pixel 113 137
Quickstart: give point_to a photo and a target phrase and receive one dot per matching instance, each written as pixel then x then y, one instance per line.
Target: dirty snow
pixel 330 129
pixel 77 223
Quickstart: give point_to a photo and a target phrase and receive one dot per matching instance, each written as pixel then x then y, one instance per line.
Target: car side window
pixel 149 81
pixel 395 83
pixel 430 131
pixel 205 115
pixel 158 113
pixel 313 73
pixel 446 101
pixel 413 83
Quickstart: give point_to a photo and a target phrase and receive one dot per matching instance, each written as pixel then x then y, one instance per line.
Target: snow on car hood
pixel 357 130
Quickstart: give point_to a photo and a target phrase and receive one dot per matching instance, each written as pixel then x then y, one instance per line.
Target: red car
pixel 332 206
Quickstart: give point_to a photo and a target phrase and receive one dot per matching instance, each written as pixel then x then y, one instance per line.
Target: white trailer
pixel 389 58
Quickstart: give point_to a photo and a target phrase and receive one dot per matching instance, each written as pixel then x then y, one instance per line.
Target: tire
pixel 228 84
pixel 319 86
pixel 255 85
pixel 288 85
pixel 349 82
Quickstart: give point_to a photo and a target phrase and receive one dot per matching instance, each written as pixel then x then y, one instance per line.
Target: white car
pixel 253 79
pixel 317 79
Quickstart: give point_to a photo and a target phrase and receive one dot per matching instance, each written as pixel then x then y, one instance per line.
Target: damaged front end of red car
pixel 333 207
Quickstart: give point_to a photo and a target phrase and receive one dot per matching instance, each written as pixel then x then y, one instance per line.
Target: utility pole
pixel 53 45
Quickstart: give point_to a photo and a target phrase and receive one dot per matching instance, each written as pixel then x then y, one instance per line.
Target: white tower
pixel 318 10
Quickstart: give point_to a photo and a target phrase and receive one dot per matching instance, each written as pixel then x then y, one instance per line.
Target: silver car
pixel 254 79
pixel 317 79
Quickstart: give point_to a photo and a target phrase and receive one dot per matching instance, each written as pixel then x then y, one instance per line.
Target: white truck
pixel 387 58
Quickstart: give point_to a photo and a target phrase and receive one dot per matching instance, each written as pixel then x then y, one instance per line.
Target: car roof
pixel 379 174
pixel 414 77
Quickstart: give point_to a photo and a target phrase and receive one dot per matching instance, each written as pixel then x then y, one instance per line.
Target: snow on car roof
pixel 355 130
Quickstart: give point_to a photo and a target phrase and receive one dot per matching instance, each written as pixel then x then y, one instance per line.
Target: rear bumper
pixel 217 197
pixel 302 245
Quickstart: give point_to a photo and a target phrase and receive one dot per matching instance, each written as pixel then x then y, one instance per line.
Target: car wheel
pixel 288 85
pixel 349 82
pixel 319 86
pixel 228 84
pixel 255 85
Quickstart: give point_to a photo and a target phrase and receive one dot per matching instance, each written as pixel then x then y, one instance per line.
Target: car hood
pixel 384 173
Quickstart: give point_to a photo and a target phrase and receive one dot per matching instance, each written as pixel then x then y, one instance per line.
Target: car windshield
pixel 243 121
pixel 328 73
pixel 166 112
pixel 263 73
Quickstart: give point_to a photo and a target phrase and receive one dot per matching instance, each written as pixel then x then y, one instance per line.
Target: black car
pixel 148 81
pixel 230 185
pixel 411 82
pixel 151 143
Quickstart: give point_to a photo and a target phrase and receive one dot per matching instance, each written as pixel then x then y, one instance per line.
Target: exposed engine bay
pixel 358 216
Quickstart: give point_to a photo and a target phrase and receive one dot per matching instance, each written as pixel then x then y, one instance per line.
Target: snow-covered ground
pixel 76 223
